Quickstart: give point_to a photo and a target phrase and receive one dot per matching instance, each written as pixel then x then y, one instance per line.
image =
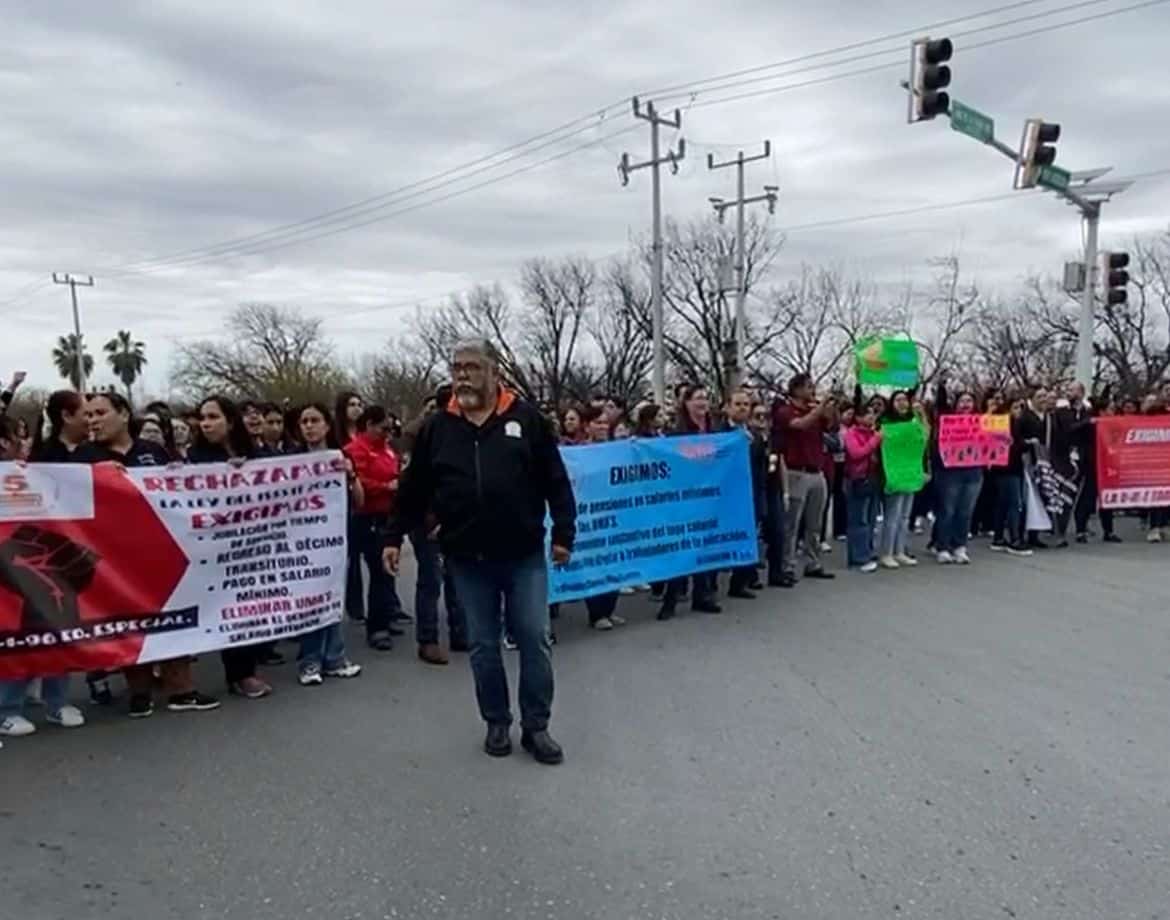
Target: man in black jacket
pixel 737 415
pixel 488 466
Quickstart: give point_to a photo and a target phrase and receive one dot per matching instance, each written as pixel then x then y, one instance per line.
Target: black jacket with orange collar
pixel 488 485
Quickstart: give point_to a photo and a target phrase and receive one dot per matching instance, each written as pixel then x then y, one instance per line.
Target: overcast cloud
pixel 137 130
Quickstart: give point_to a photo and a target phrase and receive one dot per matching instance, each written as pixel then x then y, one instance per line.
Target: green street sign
pixel 1054 177
pixel 972 122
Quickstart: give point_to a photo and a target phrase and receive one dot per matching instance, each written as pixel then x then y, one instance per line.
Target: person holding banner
pixel 1007 483
pixel 694 418
pixel 905 434
pixel 958 489
pixel 488 465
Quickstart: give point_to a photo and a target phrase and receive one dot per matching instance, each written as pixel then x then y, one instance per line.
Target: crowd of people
pixel 449 482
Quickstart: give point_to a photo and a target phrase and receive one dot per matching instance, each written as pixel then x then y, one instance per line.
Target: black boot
pixel 498 742
pixel 706 605
pixel 541 746
pixel 666 611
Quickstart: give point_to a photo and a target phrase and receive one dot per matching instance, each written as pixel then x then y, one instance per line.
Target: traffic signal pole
pixel 1091 214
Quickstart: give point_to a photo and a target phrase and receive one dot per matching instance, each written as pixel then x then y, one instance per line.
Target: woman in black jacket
pixel 68 429
pixel 694 418
pixel 222 438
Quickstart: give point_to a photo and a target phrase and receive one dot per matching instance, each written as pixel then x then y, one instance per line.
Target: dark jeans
pixel 516 592
pixel 774 534
pixel 434 578
pixel 601 606
pixel 1008 522
pixel 859 496
pixel 1087 504
pixel 353 570
pixel 382 601
pixel 704 586
pixel 958 492
pixel 240 663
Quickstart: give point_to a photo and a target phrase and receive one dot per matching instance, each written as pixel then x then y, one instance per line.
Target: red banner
pixel 1133 461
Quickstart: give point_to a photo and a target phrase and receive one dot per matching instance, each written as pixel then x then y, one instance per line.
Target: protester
pixel 572 430
pixel 253 419
pixel 347 409
pixel 272 437
pixel 649 421
pixel 958 489
pixel 694 418
pixel 66 428
pixel 898 497
pixel 111 441
pixel 378 470
pixel 433 576
pixel 737 417
pixel 489 468
pixel 861 473
pixel 224 436
pixel 802 422
pixel 322 651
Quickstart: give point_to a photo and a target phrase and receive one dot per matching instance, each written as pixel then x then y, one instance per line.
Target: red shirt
pixel 376 466
pixel 804 449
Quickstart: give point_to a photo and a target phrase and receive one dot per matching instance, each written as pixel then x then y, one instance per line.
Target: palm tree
pixel 65 356
pixel 126 357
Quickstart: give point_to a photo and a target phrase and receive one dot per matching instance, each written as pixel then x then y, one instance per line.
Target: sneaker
pixel 1111 538
pixel 1154 536
pixel 905 559
pixel 889 562
pixel 250 688
pixel 194 701
pixel 344 671
pixel 604 624
pixel 310 677
pixel 962 557
pixel 141 707
pixel 16 727
pixel 872 566
pixel 997 546
pixel 826 547
pixel 1019 549
pixel 944 558
pixel 1082 538
pixel 66 717
pixel 510 643
pixel 616 620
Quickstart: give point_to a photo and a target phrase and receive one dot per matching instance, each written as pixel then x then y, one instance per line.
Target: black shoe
pixel 193 701
pixel 458 645
pixel 381 643
pixel 1111 538
pixel 395 631
pixel 666 611
pixel 541 746
pixel 784 581
pixel 1063 544
pixel 742 594
pixel 998 546
pixel 401 616
pixel 706 605
pixel 141 707
pixel 271 658
pixel 756 585
pixel 498 742
pixel 1037 543
pixel 356 616
pixel 819 573
pixel 100 693
pixel 1082 538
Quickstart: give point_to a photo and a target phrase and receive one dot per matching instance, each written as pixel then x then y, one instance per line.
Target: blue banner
pixel 652 509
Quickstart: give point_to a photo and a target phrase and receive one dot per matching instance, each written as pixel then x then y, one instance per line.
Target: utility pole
pixel 79 351
pixel 650 114
pixel 740 369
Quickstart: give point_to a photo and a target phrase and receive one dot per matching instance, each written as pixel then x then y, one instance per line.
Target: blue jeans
pixel 382 599
pixel 434 577
pixel 859 497
pixel 54 691
pixel 958 493
pixel 322 648
pixel 1008 523
pixel 515 591
pixel 896 523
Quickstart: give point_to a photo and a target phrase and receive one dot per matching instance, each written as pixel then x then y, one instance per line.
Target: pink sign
pixel 974 440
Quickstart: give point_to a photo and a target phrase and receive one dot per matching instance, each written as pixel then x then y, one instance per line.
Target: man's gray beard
pixel 470 399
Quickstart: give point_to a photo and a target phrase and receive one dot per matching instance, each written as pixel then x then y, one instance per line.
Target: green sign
pixel 1054 177
pixel 903 447
pixel 887 362
pixel 971 122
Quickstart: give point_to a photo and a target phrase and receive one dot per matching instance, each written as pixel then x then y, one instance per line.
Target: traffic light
pixel 1114 277
pixel 929 75
pixel 1036 151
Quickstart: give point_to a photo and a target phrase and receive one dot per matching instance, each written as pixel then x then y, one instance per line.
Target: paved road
pixel 988 742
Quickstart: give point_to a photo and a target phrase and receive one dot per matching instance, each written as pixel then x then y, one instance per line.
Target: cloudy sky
pixel 138 136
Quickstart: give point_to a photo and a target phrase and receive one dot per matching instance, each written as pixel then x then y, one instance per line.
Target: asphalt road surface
pixel 982 742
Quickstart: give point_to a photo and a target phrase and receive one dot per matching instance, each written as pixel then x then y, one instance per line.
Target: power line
pixel 517 150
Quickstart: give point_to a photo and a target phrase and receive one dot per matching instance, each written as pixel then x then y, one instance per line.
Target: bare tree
pixel 558 298
pixel 948 313
pixel 402 376
pixel 619 335
pixel 270 352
